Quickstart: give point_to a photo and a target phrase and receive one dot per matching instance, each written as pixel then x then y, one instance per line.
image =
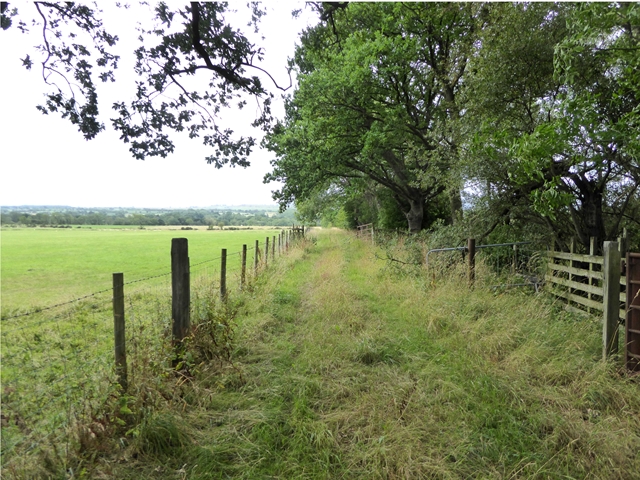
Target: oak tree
pixel 377 89
pixel 78 51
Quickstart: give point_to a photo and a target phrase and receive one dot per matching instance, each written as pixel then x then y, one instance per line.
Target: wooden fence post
pixel 273 248
pixel 572 250
pixel 118 330
pixel 632 317
pixel 623 248
pixel 611 299
pixel 256 252
pixel 180 289
pixel 243 268
pixel 622 243
pixel 223 275
pixel 592 252
pixel 471 271
pixel 266 251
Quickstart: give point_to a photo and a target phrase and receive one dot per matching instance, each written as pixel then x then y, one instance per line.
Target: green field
pixel 42 266
pixel 338 366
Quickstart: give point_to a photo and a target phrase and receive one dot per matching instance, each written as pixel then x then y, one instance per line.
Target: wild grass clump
pixel 160 435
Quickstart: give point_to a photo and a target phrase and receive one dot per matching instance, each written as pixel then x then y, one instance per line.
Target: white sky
pixel 45 161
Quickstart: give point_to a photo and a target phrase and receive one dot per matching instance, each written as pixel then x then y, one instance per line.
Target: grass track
pixel 351 372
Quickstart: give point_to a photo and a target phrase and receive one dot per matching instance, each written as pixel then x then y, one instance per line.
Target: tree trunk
pixel 588 220
pixel 455 201
pixel 415 214
pixel 593 215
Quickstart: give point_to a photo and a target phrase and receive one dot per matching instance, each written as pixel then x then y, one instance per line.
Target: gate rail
pixel 365 230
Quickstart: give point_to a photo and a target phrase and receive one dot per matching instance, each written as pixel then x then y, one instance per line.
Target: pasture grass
pixel 46 266
pixel 342 367
pixel 60 397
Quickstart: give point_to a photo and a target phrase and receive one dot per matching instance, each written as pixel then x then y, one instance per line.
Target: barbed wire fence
pixel 62 364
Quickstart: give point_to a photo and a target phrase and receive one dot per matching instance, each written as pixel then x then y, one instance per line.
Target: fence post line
pixel 119 330
pixel 243 271
pixel 611 299
pixel 223 274
pixel 255 258
pixel 180 289
pixel 471 271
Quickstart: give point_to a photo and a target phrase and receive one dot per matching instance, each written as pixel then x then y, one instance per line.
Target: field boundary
pixel 62 362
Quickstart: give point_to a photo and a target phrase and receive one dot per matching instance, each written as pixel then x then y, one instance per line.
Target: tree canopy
pixel 375 97
pixel 555 101
pixel 530 110
pixel 78 51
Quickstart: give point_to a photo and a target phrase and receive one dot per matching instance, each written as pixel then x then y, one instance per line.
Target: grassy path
pixel 344 370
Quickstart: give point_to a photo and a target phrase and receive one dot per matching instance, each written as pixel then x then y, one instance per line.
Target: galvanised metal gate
pixel 632 337
pixel 515 262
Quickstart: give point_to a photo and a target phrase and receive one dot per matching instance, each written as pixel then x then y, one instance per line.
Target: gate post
pixel 632 338
pixel 611 299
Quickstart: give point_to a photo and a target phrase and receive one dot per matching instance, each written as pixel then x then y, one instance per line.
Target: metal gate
pixel 514 262
pixel 632 337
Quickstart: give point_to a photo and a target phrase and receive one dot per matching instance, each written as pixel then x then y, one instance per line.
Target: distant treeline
pixel 57 216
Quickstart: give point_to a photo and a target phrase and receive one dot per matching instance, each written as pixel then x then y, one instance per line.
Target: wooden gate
pixel 632 337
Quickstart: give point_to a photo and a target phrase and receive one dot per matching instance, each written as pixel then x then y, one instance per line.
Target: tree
pixel 77 50
pixel 595 143
pixel 378 84
pixel 553 104
pixel 509 90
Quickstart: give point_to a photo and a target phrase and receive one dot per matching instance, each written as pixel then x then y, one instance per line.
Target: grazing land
pixel 344 368
pixel 43 266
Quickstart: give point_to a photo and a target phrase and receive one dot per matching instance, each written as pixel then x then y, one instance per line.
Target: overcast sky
pixel 45 160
